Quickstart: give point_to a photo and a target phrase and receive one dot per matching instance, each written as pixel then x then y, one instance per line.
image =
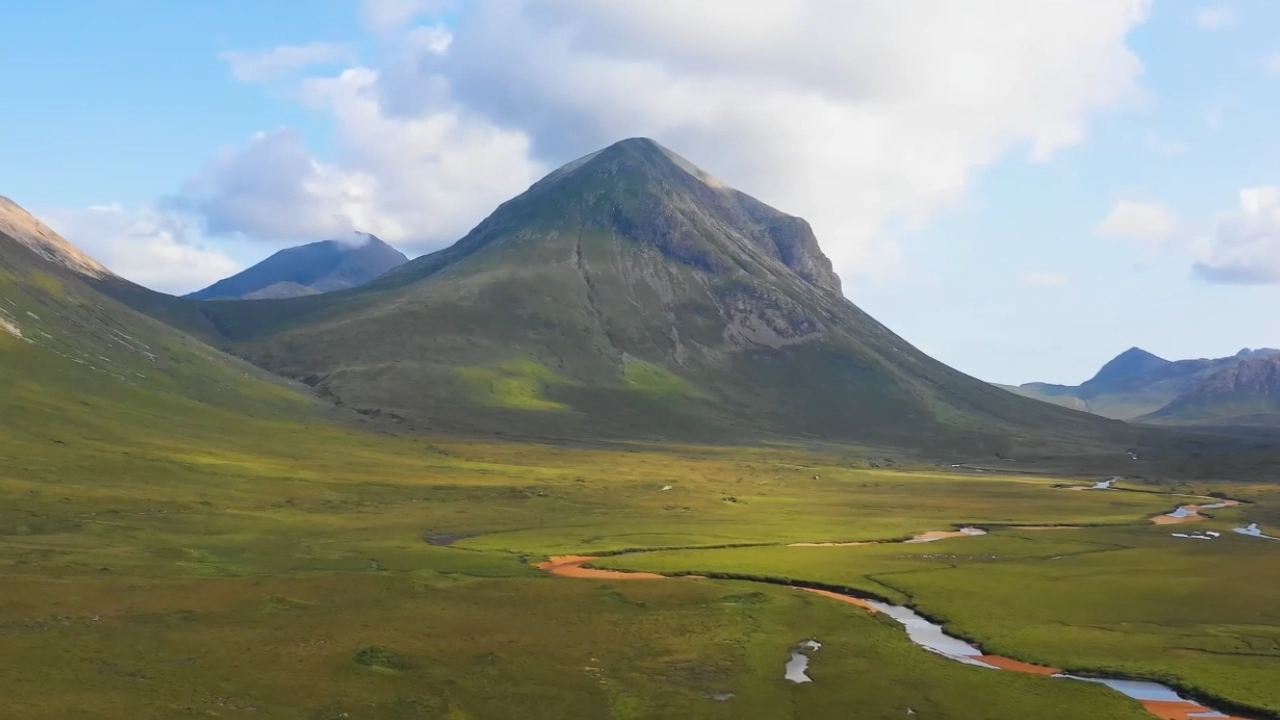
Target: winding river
pixel 1159 700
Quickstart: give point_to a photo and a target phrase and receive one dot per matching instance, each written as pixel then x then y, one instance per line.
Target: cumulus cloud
pixel 420 181
pixel 274 189
pixel 1245 246
pixel 851 113
pixel 1215 17
pixel 263 65
pixel 846 112
pixel 1149 223
pixel 158 249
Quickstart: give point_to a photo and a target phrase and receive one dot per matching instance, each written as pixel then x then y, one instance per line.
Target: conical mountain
pixel 1128 370
pixel 630 294
pixel 310 269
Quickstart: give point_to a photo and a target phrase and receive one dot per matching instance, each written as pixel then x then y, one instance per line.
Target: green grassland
pixel 172 561
pixel 164 556
pixel 183 536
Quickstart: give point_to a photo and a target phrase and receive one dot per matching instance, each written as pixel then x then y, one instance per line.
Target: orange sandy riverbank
pixel 1195 515
pixel 1182 710
pixel 571 566
pixel 831 544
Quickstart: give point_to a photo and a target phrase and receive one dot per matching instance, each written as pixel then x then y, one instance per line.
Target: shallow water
pixel 929 635
pixel 797 666
pixel 1254 530
pixel 932 637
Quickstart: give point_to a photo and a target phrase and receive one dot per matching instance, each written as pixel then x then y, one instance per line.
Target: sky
pixel 1022 188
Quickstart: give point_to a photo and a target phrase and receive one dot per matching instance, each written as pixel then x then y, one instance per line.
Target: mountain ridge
pixel 1246 392
pixel 313 268
pixel 1139 386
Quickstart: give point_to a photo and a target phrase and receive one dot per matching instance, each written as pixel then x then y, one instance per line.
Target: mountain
pixel 1242 393
pixel 20 228
pixel 1130 370
pixel 80 367
pixel 319 267
pixel 631 295
pixel 1137 384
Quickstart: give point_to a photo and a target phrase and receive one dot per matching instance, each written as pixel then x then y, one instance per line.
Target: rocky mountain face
pixel 309 270
pixel 630 294
pixel 1139 385
pixel 1245 392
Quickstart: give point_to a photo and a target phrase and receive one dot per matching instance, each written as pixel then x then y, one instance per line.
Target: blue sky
pixel 1025 217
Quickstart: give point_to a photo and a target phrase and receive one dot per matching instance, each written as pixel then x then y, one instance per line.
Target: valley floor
pixel 302 570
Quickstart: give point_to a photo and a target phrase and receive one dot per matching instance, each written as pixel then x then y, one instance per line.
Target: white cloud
pixel 273 189
pixel 1215 17
pixel 420 181
pixel 851 113
pixel 384 15
pixel 1036 278
pixel 158 249
pixel 264 65
pixel 1149 223
pixel 1245 246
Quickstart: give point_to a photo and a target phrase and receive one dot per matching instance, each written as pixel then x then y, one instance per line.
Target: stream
pixel 1159 700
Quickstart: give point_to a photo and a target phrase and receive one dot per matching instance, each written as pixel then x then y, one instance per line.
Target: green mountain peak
pixel 628 294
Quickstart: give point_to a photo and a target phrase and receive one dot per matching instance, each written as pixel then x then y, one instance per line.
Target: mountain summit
pixel 1137 385
pixel 630 294
pixel 1129 369
pixel 319 267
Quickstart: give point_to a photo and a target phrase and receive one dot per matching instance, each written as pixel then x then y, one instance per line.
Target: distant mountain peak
pixel 1137 353
pixel 1125 369
pixel 1260 352
pixel 317 267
